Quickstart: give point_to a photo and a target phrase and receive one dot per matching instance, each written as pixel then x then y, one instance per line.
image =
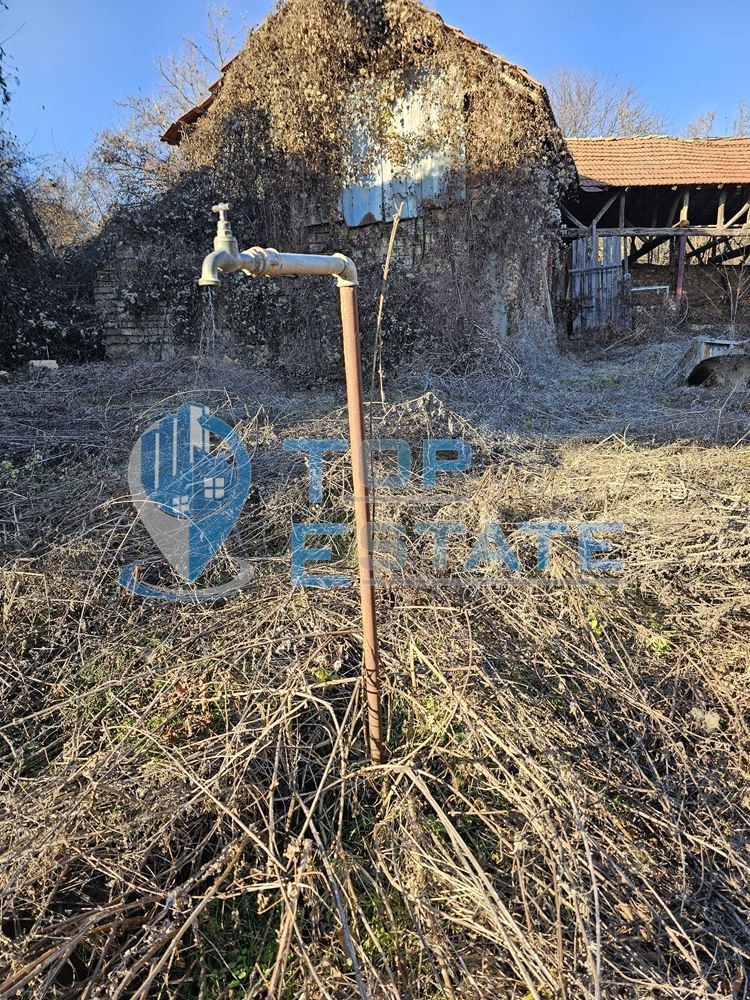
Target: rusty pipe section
pixel 362 511
pixel 257 262
pixel 269 263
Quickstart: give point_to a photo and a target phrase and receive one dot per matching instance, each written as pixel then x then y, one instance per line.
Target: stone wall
pixel 515 300
pixel 505 301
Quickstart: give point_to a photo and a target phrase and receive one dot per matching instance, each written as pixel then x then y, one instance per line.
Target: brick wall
pixel 704 286
pixel 131 335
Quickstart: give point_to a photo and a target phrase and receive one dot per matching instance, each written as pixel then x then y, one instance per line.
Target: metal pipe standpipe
pixel 257 262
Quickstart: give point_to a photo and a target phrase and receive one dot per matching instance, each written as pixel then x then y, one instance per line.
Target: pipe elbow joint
pixel 347 278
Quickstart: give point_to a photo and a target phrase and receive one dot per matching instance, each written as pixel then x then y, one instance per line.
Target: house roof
pixel 173 134
pixel 190 117
pixel 655 160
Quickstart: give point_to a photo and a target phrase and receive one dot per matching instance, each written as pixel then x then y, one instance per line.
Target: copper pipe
pixel 353 368
pixel 257 262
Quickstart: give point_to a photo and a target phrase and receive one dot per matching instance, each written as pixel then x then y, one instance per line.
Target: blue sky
pixel 74 58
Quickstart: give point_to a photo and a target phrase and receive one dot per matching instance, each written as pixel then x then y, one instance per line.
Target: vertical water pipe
pixel 258 262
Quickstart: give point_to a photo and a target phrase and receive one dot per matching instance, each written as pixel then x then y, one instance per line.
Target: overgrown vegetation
pixel 46 305
pixel 4 88
pixel 310 100
pixel 46 278
pixel 187 806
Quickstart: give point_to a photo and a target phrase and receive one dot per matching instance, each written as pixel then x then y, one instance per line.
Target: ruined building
pixel 332 119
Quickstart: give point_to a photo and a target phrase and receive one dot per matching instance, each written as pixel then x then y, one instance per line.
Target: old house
pixel 339 116
pixel 655 215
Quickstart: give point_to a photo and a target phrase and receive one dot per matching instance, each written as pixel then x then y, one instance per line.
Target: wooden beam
pixel 729 255
pixel 576 222
pixel 745 208
pixel 647 247
pixel 707 247
pixel 622 210
pixel 684 207
pixel 602 211
pixel 608 204
pixel 673 211
pixel 722 207
pixel 726 230
pixel 680 289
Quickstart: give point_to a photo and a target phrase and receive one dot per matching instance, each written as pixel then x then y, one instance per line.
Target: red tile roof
pixel 648 160
pixel 175 130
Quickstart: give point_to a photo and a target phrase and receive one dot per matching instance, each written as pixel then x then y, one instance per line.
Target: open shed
pixel 645 210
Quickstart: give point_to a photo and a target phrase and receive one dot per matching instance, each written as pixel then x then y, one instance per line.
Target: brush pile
pixel 188 810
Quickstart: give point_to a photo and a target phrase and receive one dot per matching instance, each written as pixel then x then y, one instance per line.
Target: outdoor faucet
pixel 226 259
pixel 257 262
pixel 226 250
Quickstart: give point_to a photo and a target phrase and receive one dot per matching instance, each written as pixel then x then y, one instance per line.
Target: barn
pixel 374 128
pixel 657 216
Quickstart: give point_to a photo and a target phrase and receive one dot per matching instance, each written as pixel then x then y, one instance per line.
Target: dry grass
pixel 187 806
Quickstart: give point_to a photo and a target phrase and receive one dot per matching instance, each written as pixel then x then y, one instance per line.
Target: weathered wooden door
pixel 599 291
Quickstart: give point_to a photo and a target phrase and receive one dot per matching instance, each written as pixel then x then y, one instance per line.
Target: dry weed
pixel 187 806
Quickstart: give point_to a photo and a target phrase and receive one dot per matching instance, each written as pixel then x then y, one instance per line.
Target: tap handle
pixel 221 210
pixel 224 239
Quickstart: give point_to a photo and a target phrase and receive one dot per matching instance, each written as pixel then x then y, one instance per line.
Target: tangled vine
pixel 306 109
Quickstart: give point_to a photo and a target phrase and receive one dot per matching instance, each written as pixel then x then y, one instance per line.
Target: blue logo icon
pixel 188 496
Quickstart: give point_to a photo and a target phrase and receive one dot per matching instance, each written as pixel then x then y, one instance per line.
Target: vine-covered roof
pixel 174 133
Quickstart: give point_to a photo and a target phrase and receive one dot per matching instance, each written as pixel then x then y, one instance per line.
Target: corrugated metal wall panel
pixel 398 185
pixel 362 204
pixel 391 185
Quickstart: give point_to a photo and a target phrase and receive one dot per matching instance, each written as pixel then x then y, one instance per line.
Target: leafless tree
pixel 593 104
pixel 737 281
pixel 4 87
pixel 741 123
pixel 130 162
pixel 64 209
pixel 704 124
